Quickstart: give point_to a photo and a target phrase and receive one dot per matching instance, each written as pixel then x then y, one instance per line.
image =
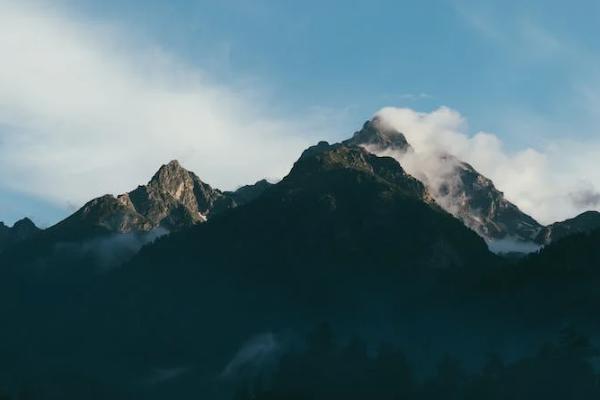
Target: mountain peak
pixel 331 156
pixel 355 164
pixel 168 171
pixel 21 230
pixel 25 224
pixel 378 136
pixel 173 166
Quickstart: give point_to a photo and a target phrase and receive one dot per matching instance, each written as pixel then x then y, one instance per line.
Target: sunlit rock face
pixel 174 198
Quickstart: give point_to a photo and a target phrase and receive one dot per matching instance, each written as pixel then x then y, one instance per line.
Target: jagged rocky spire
pixel 173 199
pixel 377 137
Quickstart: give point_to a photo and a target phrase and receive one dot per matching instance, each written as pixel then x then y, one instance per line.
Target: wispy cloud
pixel 516 32
pixel 84 110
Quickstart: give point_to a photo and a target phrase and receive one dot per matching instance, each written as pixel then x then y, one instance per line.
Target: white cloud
pixel 540 181
pixel 84 111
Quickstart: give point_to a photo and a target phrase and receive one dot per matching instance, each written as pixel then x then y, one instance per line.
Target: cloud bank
pixel 85 111
pixel 552 183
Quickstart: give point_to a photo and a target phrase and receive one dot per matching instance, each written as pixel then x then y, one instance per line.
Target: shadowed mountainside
pixel 585 222
pixel 21 230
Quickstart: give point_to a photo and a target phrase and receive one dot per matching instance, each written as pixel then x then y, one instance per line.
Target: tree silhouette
pixel 326 369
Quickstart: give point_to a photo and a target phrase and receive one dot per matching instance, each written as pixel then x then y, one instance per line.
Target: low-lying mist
pixel 109 251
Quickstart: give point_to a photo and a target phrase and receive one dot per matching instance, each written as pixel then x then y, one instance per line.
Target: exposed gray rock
pixel 378 137
pixel 483 208
pixel 174 198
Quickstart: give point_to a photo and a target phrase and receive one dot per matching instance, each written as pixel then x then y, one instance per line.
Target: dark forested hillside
pixel 346 237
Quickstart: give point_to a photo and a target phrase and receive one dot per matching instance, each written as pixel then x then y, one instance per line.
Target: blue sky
pixel 525 71
pixel 484 58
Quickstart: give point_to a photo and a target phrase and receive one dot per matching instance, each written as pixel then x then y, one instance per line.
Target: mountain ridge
pixel 174 199
pixel 585 222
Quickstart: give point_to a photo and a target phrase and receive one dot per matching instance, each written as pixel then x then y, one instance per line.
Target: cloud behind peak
pixel 542 182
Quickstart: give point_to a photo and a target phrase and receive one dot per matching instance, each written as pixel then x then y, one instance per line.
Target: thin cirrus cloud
pixel 83 112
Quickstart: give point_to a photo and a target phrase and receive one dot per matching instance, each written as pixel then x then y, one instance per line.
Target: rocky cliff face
pixel 377 137
pixel 457 186
pixel 174 198
pixel 475 200
pixel 21 230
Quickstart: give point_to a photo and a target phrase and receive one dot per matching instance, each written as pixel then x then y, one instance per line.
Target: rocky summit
pixel 377 137
pixel 174 198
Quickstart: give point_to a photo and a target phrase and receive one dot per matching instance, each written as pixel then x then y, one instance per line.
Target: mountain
pixel 484 208
pixel 346 237
pixel 21 230
pixel 585 222
pixel 341 216
pixel 109 230
pixel 377 137
pixel 174 198
pixel 337 203
pixel 455 185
